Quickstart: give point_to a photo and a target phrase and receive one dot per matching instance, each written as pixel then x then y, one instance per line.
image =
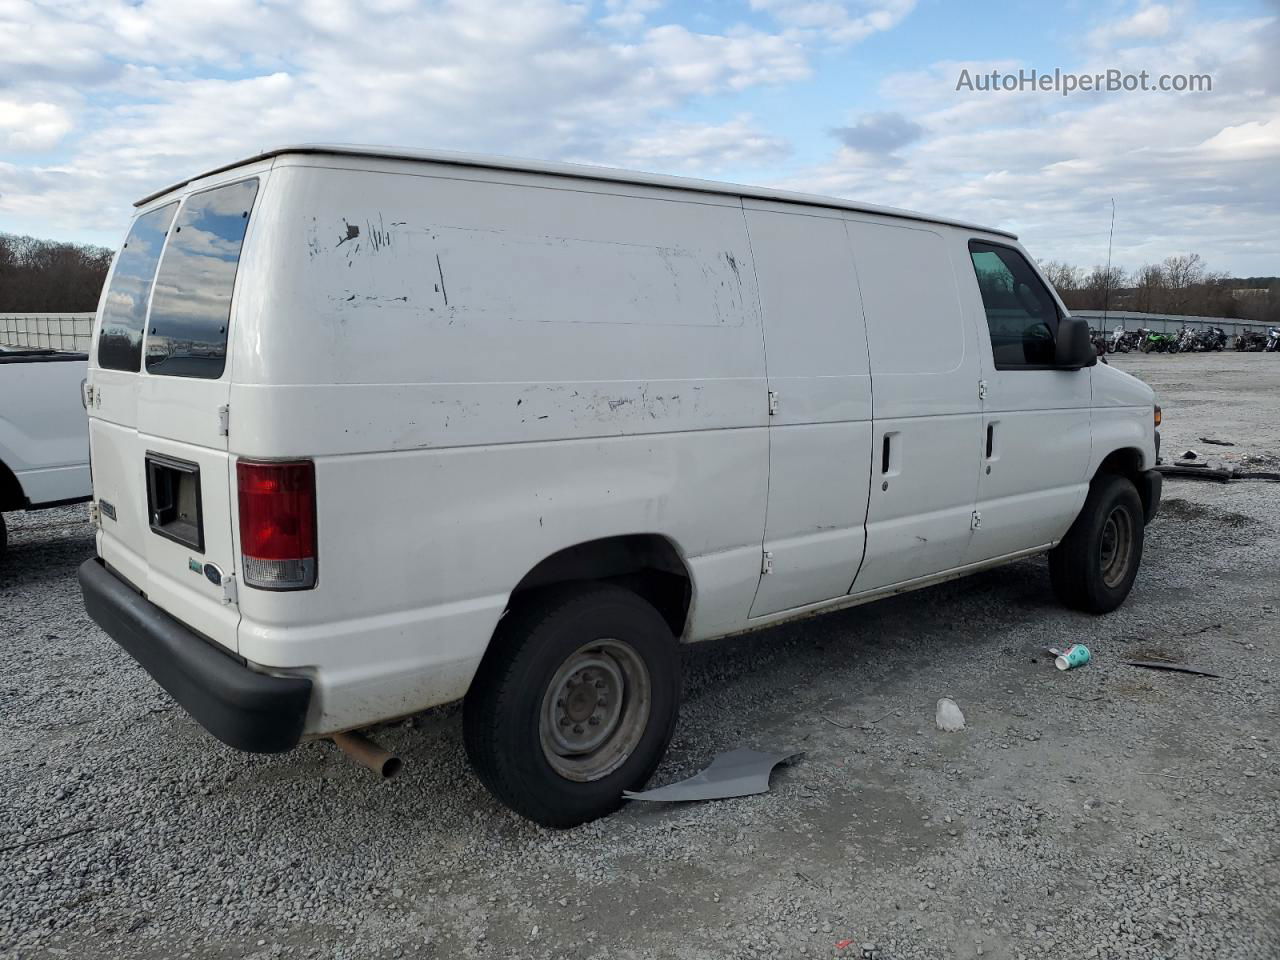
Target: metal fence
pixel 1107 321
pixel 72 332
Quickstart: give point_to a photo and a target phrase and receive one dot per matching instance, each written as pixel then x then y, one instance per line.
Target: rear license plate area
pixel 173 500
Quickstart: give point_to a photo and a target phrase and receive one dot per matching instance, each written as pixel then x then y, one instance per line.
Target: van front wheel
pixel 575 702
pixel 1094 566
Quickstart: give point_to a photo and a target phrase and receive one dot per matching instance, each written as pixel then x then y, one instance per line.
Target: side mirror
pixel 1074 348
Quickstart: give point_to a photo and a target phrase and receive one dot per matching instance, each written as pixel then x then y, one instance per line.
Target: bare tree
pixel 1182 274
pixel 1063 276
pixel 43 276
pixel 1148 288
pixel 1099 289
pixel 1180 284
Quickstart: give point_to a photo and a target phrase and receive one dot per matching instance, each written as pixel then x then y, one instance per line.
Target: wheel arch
pixel 648 564
pixel 1127 462
pixel 11 495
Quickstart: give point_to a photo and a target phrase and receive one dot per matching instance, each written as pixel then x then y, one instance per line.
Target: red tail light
pixel 278 524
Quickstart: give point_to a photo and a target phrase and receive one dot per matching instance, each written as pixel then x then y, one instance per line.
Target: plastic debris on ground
pixel 738 773
pixel 949 718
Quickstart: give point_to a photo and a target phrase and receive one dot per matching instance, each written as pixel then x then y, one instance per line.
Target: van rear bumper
pixel 243 708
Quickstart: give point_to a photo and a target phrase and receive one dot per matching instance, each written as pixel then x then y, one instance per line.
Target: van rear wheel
pixel 576 701
pixel 1094 566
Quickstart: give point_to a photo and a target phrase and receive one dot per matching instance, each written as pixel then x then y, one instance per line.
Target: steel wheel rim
pixel 595 710
pixel 1116 547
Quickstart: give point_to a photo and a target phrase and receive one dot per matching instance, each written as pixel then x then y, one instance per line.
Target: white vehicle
pixel 374 430
pixel 44 436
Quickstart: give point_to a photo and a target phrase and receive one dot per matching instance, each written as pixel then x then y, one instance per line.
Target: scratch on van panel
pixel 440 271
pixel 313 240
pixel 379 237
pixel 352 232
pixel 733 264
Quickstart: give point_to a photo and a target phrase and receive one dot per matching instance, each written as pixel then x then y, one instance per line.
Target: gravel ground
pixel 1106 812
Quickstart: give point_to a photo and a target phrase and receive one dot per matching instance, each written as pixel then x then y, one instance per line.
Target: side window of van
pixel 1022 316
pixel 191 308
pixel 125 309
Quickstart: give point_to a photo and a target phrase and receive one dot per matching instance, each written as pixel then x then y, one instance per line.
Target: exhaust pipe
pixel 368 754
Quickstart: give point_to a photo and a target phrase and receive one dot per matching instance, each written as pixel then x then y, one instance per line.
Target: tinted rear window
pixel 191 309
pixel 125 310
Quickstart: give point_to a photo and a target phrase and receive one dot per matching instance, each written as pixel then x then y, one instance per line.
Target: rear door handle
pixel 884 455
pixel 991 435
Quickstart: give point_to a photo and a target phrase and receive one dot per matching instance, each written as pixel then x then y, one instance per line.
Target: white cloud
pixel 32 126
pixel 1257 139
pixel 628 14
pixel 704 147
pixel 1150 22
pixel 838 22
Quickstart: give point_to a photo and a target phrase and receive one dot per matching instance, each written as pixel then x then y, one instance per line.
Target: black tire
pixel 505 738
pixel 4 538
pixel 1082 569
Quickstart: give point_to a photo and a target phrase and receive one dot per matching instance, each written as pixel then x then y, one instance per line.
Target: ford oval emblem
pixel 213 574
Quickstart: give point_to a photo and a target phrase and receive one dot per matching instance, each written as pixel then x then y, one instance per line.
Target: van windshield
pixel 125 309
pixel 191 308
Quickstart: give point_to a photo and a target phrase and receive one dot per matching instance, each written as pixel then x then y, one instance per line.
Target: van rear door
pixel 158 423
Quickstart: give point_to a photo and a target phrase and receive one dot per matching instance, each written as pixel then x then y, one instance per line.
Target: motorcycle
pixel 1273 340
pixel 1122 340
pixel 1101 345
pixel 1156 342
pixel 1215 338
pixel 1250 342
pixel 1185 340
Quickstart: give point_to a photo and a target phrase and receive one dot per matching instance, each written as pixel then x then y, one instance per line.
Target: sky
pixel 104 101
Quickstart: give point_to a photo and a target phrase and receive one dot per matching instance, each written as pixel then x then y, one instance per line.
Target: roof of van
pixel 579 170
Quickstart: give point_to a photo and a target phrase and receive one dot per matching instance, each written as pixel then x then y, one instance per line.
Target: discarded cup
pixel 1076 655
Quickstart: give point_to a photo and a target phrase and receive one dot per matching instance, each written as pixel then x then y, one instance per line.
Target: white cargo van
pixel 379 429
